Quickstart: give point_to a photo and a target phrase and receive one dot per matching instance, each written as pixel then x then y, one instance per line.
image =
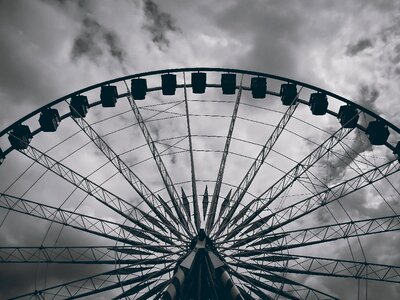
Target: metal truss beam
pixel 169 185
pixel 95 284
pixel 320 266
pixel 80 255
pixel 122 207
pixel 333 193
pixel 259 204
pixel 262 285
pixel 333 232
pixel 57 255
pixel 316 235
pixel 196 210
pixel 297 290
pixel 255 167
pixel 92 225
pixel 140 283
pixel 218 183
pixel 134 181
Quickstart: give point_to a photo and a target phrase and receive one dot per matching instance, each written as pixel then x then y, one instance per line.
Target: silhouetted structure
pixel 159 248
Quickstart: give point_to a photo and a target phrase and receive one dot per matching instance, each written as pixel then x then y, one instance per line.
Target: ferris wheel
pixel 200 183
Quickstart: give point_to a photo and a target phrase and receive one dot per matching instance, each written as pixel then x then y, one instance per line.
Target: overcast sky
pixel 50 48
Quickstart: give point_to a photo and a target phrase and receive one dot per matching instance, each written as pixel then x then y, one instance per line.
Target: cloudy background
pixel 52 48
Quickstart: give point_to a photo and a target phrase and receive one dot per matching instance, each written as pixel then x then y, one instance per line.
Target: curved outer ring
pixel 179 70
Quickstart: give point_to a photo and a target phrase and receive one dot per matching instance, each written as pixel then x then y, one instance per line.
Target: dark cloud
pixel 361 45
pixel 95 41
pixel 86 43
pixel 115 48
pixel 392 30
pixel 256 25
pixel 368 96
pixel 158 23
pixel 395 59
pixel 29 47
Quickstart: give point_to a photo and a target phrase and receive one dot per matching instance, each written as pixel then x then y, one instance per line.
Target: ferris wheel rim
pixel 181 70
pixel 197 69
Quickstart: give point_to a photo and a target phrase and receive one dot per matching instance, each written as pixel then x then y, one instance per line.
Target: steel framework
pixel 142 231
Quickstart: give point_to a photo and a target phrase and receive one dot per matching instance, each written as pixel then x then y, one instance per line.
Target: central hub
pixel 202 241
pixel 202 234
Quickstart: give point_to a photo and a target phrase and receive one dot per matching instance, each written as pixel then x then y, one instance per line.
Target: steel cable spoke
pixel 273 192
pixel 134 181
pixel 88 224
pixel 304 292
pixel 196 211
pixel 257 163
pixel 333 193
pixel 217 189
pixel 322 234
pixel 122 207
pixel 91 285
pixel 177 202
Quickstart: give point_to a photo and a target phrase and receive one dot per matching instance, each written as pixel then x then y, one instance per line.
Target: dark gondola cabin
pixel 199 82
pixel 258 87
pixel 139 88
pixel 2 156
pixel 348 116
pixel 108 95
pixel 168 84
pixel 288 93
pixel 228 83
pixel 49 120
pixel 20 137
pixel 79 106
pixel 377 132
pixel 318 104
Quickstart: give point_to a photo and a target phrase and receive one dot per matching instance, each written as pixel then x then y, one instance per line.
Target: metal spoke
pixel 273 192
pixel 205 202
pixel 144 283
pixel 257 163
pixel 333 232
pixel 261 285
pixel 134 181
pixel 92 225
pixel 218 183
pixel 302 292
pixel 125 209
pixel 299 209
pixel 79 255
pixel 317 235
pixel 252 287
pixel 321 266
pixel 196 211
pixel 258 292
pixel 176 201
pixel 157 289
pixel 92 285
pixel 87 255
pixel 141 282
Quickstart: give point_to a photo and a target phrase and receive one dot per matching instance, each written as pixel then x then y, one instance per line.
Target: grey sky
pixel 51 48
